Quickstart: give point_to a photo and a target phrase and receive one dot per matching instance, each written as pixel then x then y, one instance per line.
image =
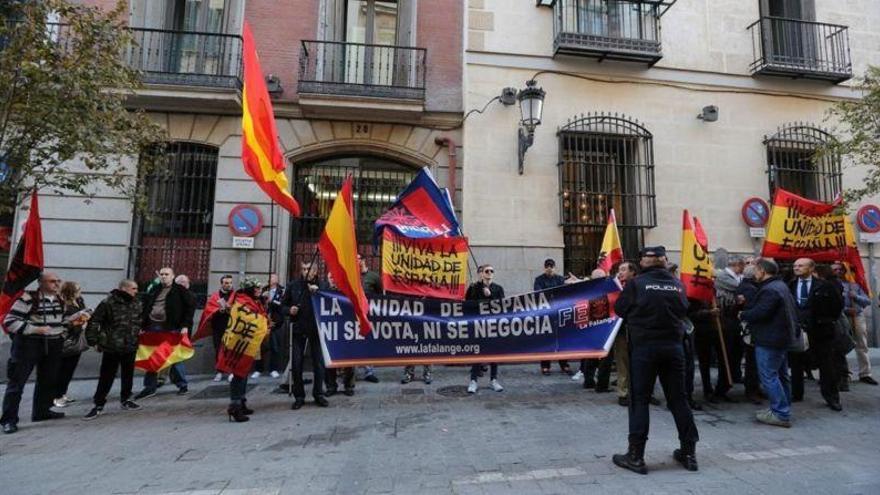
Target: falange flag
pixel 423 210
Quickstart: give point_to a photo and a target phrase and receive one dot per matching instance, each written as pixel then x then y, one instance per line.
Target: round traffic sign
pixel 868 218
pixel 245 221
pixel 755 212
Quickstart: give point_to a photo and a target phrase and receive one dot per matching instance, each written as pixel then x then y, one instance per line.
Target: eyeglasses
pixel 488 270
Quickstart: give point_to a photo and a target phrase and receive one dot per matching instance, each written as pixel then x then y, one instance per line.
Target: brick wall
pixel 439 29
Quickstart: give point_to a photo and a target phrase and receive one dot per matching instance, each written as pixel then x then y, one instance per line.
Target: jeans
pixel 28 353
pixel 773 372
pixel 666 361
pixel 65 373
pixel 238 389
pixel 177 374
pixel 300 340
pixel 110 362
pixel 493 371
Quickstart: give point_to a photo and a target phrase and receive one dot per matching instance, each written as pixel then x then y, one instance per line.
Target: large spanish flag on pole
pixel 338 246
pixel 611 252
pixel 697 272
pixel 803 228
pixel 260 151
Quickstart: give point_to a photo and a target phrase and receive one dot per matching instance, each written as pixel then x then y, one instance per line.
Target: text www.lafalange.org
pixel 451 349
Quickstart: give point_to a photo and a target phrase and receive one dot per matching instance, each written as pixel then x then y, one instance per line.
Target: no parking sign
pixel 245 221
pixel 868 218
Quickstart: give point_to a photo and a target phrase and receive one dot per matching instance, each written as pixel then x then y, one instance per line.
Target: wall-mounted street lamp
pixel 545 3
pixel 531 107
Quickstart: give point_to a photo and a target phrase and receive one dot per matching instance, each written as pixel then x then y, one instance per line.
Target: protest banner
pixel 799 227
pixel 248 326
pixel 568 322
pixel 424 267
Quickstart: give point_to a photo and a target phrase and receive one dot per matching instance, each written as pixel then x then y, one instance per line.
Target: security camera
pixel 709 114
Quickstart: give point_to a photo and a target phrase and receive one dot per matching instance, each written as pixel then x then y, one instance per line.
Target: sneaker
pixel 59 402
pixel 68 400
pixel 496 386
pixel 275 374
pixel 94 413
pixel 183 390
pixel 130 405
pixel 577 376
pixel 218 377
pixel 472 387
pixel 255 375
pixel 371 379
pixel 145 394
pixel 426 377
pixel 407 377
pixel 229 378
pixel 768 418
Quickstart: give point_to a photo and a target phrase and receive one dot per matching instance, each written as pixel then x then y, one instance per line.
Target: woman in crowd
pixel 76 315
pixel 246 309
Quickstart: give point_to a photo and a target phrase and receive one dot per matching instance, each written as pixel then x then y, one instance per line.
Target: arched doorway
pixel 377 181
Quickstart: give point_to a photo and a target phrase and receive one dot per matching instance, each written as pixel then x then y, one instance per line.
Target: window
pixel 613 29
pixel 377 182
pixel 605 161
pixel 794 164
pixel 175 229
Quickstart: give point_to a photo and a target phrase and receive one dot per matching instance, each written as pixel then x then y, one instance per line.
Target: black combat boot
pixel 634 459
pixel 686 455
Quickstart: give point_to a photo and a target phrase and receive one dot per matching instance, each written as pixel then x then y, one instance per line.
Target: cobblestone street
pixel 541 435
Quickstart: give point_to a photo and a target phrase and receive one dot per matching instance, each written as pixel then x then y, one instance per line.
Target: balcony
pixel 186 58
pixel 800 49
pixel 608 29
pixel 341 74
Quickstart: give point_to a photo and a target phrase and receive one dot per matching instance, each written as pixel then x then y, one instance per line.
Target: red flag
pixel 611 252
pixel 338 246
pixel 700 235
pixel 27 263
pixel 211 307
pixel 260 151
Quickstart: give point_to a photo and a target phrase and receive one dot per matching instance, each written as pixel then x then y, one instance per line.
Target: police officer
pixel 653 306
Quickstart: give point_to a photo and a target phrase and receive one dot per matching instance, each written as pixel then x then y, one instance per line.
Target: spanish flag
pixel 802 228
pixel 339 248
pixel 700 235
pixel 260 151
pixel 159 350
pixel 697 272
pixel 611 252
pixel 248 327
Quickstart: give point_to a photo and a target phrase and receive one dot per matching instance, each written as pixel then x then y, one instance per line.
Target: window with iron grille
pixel 376 184
pixel 605 161
pixel 175 228
pixel 795 164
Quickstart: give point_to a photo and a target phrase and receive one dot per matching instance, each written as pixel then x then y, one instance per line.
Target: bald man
pixel 36 325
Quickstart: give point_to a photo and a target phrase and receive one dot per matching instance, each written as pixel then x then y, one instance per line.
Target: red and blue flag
pixel 423 210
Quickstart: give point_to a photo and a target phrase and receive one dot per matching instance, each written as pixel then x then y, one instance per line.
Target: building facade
pixel 624 124
pixel 364 87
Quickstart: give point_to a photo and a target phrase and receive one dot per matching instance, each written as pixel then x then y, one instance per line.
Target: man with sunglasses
pixel 36 324
pixel 653 307
pixel 481 290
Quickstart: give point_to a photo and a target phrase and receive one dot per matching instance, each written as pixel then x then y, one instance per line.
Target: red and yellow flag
pixel 611 252
pixel 247 328
pixel 700 235
pixel 159 350
pixel 803 228
pixel 27 262
pixel 338 246
pixel 697 272
pixel 260 151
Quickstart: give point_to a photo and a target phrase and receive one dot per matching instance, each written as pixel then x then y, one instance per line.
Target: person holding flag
pixel 297 303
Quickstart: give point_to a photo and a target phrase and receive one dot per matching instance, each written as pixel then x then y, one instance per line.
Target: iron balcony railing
pixel 357 69
pixel 796 48
pixel 612 29
pixel 186 58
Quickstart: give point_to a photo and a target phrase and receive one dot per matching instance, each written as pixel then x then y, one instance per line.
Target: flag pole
pixel 717 320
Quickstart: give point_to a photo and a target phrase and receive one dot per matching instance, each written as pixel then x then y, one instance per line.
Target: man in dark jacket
pixel 772 321
pixel 819 305
pixel 653 306
pixel 745 293
pixel 548 280
pixel 168 308
pixel 484 289
pixel 113 331
pixel 297 303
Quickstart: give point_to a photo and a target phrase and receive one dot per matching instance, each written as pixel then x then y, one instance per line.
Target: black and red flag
pixel 27 263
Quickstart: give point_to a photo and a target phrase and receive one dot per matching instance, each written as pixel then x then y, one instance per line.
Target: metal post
pixel 875 310
pixel 242 264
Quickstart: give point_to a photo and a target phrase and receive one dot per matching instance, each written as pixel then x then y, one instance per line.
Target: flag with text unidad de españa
pixel 248 326
pixel 435 267
pixel 802 228
pixel 611 252
pixel 260 150
pixel 27 263
pixel 338 246
pixel 697 272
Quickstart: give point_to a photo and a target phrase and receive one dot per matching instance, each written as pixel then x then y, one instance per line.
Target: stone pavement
pixel 542 435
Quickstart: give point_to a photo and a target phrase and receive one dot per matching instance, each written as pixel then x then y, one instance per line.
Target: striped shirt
pixel 24 318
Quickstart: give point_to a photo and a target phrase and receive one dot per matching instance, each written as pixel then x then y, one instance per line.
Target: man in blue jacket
pixel 653 307
pixel 772 318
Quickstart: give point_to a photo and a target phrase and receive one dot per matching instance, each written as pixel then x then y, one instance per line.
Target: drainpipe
pixel 453 163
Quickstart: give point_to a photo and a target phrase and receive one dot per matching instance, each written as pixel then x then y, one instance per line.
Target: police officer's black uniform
pixel 653 306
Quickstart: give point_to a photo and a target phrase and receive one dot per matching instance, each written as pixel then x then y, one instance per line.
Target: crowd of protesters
pixel 764 323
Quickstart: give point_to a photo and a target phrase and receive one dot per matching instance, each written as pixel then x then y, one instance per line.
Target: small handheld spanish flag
pixel 260 151
pixel 697 272
pixel 611 252
pixel 338 246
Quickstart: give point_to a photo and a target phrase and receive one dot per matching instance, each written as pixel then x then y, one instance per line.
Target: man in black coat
pixel 167 308
pixel 297 303
pixel 819 305
pixel 548 280
pixel 653 306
